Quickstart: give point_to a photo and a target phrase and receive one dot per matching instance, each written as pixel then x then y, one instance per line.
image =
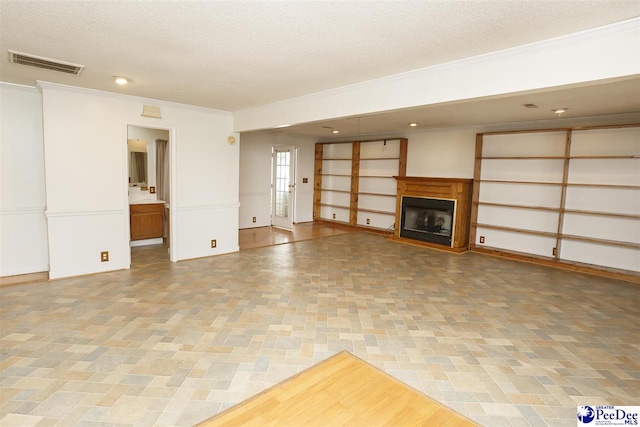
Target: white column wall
pixel 85 135
pixel 23 226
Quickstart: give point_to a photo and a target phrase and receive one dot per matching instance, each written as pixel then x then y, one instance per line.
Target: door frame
pixel 292 183
pixel 172 190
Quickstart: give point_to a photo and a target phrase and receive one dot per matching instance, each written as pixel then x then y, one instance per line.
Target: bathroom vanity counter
pixel 146 202
pixel 146 219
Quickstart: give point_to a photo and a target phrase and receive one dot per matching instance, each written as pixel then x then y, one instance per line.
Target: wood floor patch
pixel 340 391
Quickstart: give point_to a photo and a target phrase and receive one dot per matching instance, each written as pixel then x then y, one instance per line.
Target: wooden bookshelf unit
pixel 353 182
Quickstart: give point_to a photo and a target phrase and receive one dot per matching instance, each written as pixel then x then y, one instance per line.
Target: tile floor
pixel 502 342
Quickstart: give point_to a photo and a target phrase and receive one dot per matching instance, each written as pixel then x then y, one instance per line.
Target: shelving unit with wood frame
pixel 354 181
pixel 564 197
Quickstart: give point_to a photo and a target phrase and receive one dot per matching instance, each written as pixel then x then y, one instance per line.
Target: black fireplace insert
pixel 428 220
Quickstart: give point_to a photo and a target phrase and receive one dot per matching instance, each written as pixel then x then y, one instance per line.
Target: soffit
pixel 604 102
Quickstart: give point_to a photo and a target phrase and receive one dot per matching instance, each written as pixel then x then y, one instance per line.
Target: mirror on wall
pixel 138 165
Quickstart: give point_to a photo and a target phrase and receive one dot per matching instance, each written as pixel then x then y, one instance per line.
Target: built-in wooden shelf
pixel 507 205
pixel 498 181
pixel 376 211
pixel 568 184
pixel 620 186
pixel 515 230
pixel 336 191
pixel 369 153
pixel 607 242
pixel 600 213
pixel 608 149
pixel 604 157
pixel 377 194
pixel 334 206
pixel 522 158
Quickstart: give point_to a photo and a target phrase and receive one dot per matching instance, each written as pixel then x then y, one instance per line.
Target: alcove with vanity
pixel 148 212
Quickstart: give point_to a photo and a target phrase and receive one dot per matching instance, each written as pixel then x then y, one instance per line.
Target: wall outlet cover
pixel 213 243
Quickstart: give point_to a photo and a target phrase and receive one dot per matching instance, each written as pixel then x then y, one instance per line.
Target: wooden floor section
pixel 249 238
pixel 340 391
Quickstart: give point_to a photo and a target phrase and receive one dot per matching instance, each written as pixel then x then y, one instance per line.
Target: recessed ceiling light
pixel 283 126
pixel 413 125
pixel 336 131
pixel 529 105
pixel 560 110
pixel 120 80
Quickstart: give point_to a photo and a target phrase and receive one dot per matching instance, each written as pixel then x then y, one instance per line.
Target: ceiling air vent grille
pixel 46 63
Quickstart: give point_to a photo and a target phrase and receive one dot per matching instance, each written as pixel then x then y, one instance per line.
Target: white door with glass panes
pixel 283 187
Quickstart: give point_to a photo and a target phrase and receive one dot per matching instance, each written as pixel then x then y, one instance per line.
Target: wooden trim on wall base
pixel 428 245
pixel 20 279
pixel 354 227
pixel 627 276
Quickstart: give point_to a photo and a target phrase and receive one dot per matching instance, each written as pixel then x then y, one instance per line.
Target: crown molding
pixel 18 86
pixel 41 84
pixel 555 123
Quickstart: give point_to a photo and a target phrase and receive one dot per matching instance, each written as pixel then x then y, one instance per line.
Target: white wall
pixel 23 227
pixel 441 153
pixel 85 135
pixel 255 177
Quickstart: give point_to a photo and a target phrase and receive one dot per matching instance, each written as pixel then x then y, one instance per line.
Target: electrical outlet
pixel 481 239
pixel 254 219
pixel 334 216
pixel 368 221
pixel 554 251
pixel 104 256
pixel 213 243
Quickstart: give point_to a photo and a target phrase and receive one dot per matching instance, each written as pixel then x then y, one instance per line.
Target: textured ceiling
pixel 232 55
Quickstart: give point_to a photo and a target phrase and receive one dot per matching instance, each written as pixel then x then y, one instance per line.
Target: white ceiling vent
pixel 46 63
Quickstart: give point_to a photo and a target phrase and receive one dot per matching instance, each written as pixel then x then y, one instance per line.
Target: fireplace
pixel 433 212
pixel 428 220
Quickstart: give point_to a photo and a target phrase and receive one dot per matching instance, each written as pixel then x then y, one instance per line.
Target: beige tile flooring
pixel 162 344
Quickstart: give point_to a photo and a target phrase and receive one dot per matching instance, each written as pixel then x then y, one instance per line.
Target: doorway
pixel 148 194
pixel 283 188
